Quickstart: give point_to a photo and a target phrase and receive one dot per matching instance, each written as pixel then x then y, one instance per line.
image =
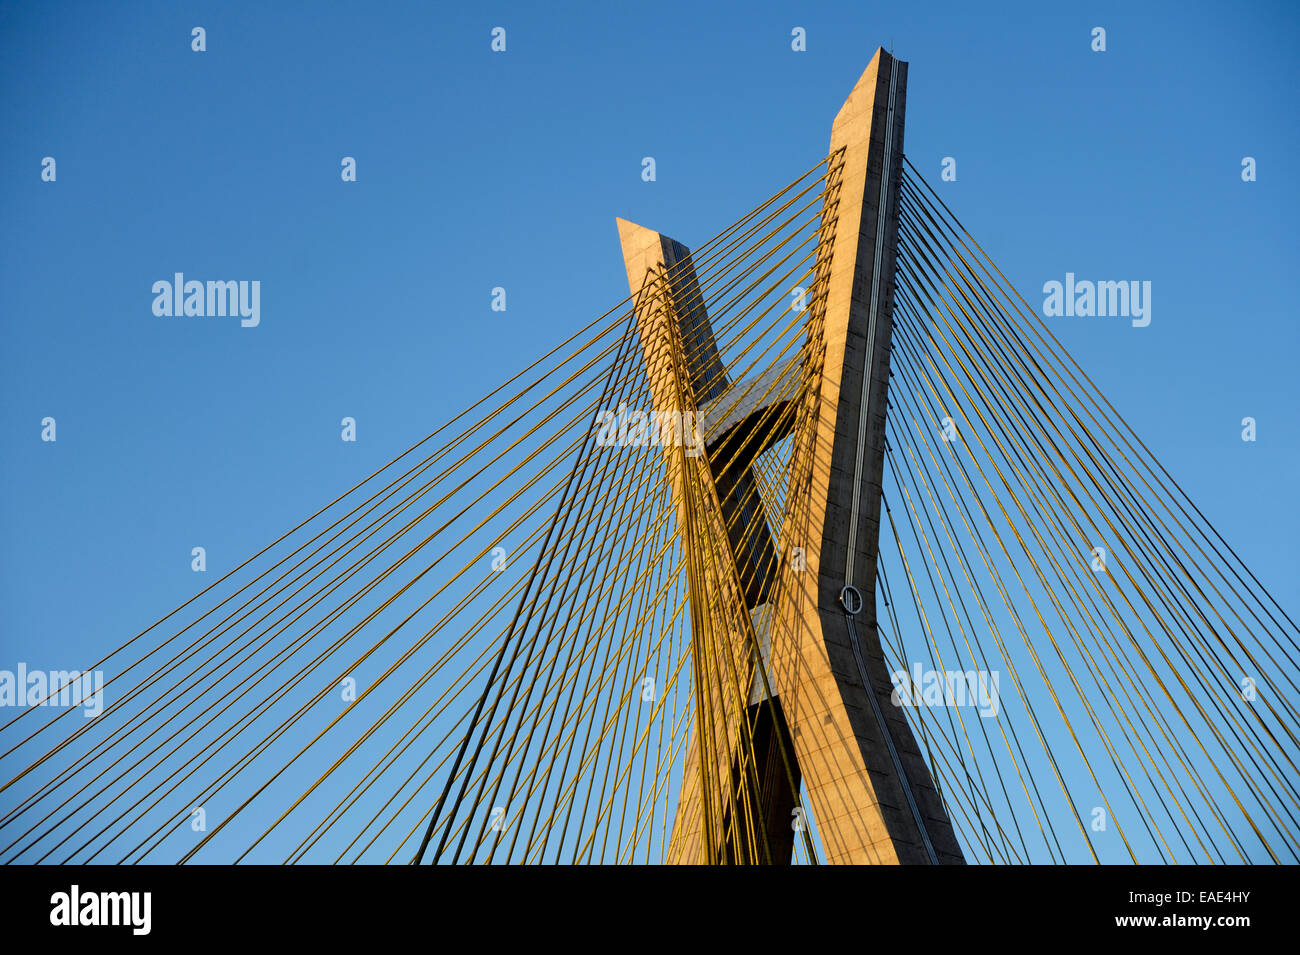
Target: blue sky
pixel 478 170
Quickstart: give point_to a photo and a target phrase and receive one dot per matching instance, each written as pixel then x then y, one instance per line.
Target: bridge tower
pixel 869 789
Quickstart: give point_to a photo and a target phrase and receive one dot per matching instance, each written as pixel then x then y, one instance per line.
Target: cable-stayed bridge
pixel 818 547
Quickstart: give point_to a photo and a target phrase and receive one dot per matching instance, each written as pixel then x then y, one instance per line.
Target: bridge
pixel 817 548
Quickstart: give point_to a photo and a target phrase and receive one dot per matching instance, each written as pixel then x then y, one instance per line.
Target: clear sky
pixel 478 169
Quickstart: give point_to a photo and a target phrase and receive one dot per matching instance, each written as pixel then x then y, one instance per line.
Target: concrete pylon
pixel 665 290
pixel 871 794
